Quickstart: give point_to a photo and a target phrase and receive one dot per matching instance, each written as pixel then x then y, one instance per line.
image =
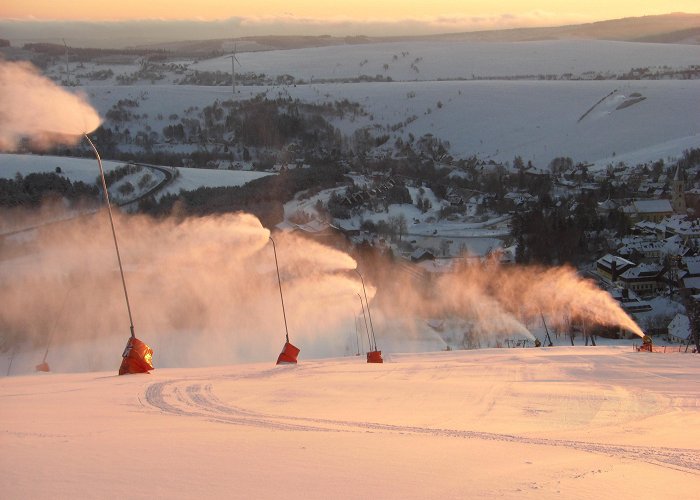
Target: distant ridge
pixel 626 29
pixel 666 28
pixel 207 38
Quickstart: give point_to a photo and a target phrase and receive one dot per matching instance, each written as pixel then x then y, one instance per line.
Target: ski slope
pixel 564 422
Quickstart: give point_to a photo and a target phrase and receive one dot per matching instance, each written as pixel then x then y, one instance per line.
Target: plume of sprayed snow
pixel 204 291
pixel 490 301
pixel 33 107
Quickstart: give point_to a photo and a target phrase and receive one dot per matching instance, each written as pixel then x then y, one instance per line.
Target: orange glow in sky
pixel 508 12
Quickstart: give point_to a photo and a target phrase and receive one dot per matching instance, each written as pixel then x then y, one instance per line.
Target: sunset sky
pixel 507 13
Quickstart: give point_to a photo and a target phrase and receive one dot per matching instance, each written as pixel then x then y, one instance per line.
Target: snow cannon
pixel 43 367
pixel 137 357
pixel 289 354
pixel 647 344
pixel 374 357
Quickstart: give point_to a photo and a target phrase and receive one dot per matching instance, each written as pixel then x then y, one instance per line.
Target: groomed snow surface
pixel 564 422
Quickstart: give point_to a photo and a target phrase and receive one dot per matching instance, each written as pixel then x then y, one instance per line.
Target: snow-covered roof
pixel 437 265
pixel 608 259
pixel 691 259
pixel 642 271
pixel 648 227
pixel 652 206
pixel 642 247
pixel 420 253
pixel 607 205
pixel 680 224
pixel 679 326
pixel 313 226
pixel 693 283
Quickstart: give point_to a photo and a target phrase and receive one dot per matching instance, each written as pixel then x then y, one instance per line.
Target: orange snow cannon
pixel 137 357
pixel 647 344
pixel 374 357
pixel 289 354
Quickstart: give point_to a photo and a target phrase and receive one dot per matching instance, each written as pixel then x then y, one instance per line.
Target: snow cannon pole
pixel 549 339
pixel 279 283
pixel 369 340
pixel 369 313
pixel 289 353
pixel 114 234
pixel 374 355
pixel 44 366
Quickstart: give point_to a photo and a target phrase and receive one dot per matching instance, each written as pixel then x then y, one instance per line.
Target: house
pixel 681 225
pixel 605 207
pixel 651 210
pixel 648 251
pixel 520 198
pixel 679 328
pixel 630 301
pixel 651 249
pixel 691 283
pixel 422 254
pixel 609 267
pixel 644 279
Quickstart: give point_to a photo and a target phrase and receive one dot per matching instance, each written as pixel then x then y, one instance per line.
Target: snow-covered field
pixel 492 119
pixel 194 178
pixel 431 93
pixel 73 169
pixel 442 60
pixel 564 422
pixel 86 170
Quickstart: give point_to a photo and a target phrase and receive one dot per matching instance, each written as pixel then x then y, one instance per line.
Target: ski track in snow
pixel 192 398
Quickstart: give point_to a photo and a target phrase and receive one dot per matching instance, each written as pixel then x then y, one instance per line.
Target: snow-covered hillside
pixel 450 60
pixel 86 170
pixel 490 119
pixel 561 422
pixel 435 88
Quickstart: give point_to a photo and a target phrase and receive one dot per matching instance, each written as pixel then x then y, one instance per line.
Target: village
pixel 647 260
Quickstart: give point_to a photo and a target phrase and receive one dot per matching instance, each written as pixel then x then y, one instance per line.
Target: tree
pixel 397 225
pixel 693 310
pixel 560 164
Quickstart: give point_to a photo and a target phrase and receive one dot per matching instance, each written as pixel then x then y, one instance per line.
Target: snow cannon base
pixel 137 357
pixel 374 357
pixel 647 345
pixel 289 354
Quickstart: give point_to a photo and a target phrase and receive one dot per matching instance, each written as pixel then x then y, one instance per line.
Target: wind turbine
pixel 234 60
pixel 67 67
